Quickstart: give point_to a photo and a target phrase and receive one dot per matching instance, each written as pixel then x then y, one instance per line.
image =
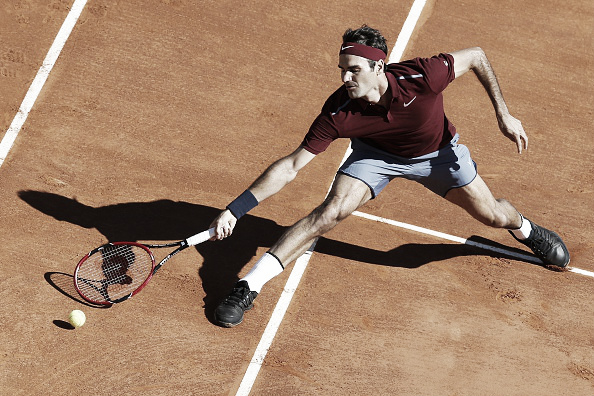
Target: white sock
pixel 264 270
pixel 524 231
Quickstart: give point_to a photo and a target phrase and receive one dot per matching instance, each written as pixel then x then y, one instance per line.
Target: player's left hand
pixel 512 128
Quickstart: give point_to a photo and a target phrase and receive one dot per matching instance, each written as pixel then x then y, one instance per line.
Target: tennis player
pixel 394 116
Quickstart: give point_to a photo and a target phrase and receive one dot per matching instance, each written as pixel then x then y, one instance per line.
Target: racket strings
pixel 114 271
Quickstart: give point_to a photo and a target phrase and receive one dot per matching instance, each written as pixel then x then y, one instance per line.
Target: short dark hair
pixel 367 36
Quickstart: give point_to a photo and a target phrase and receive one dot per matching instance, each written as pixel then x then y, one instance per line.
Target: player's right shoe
pixel 230 311
pixel 546 245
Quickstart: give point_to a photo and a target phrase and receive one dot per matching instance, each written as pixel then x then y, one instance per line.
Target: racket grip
pixel 201 237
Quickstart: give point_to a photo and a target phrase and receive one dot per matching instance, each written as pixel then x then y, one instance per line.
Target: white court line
pixel 463 241
pixel 275 321
pixel 581 272
pixel 301 263
pixel 407 31
pixel 40 79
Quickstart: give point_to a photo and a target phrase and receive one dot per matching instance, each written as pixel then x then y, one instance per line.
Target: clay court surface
pixel 158 113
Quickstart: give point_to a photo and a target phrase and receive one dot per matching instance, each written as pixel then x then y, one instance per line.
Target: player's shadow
pixel 167 220
pixel 162 220
pixel 415 255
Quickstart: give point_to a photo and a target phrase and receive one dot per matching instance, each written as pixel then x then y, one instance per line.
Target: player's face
pixel 360 80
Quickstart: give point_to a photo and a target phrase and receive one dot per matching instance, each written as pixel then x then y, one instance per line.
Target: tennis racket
pixel 116 271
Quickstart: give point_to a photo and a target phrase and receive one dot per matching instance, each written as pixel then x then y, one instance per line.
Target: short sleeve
pixel 321 133
pixel 438 71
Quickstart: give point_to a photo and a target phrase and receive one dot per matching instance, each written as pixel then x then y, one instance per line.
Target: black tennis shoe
pixel 229 313
pixel 546 245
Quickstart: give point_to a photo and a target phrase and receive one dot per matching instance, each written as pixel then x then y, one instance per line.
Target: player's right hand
pixel 223 225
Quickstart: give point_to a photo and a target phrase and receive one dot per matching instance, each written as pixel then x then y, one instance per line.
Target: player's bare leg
pixel 347 194
pixel 478 201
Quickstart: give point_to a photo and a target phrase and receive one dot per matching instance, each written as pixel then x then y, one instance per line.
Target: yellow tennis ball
pixel 77 318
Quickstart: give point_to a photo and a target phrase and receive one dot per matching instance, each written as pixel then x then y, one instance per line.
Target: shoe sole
pixel 228 325
pixel 558 268
pixel 232 324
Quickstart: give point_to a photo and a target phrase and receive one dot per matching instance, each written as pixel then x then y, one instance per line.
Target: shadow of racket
pixel 64 283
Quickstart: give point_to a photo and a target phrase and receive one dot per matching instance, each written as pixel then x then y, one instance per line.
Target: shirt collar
pixel 392 87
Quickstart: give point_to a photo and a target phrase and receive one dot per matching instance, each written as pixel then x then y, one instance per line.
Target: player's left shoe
pixel 546 245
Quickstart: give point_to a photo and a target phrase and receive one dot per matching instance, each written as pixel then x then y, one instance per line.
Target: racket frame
pixel 181 245
pixel 98 250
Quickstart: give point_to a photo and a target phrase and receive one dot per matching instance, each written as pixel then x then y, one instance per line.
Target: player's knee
pixel 327 216
pixel 495 218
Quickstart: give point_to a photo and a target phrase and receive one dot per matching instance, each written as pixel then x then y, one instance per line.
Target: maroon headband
pixel 365 51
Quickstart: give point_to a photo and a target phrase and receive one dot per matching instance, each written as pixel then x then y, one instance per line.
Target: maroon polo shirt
pixel 414 125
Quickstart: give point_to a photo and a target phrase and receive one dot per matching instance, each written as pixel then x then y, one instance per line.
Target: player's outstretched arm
pixel 476 60
pixel 274 178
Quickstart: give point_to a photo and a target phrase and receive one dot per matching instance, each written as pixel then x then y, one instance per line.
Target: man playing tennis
pixel 394 116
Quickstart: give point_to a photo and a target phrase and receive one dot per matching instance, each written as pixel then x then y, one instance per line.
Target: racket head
pixel 114 272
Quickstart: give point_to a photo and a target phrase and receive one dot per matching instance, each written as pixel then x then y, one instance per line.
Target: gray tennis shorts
pixel 439 171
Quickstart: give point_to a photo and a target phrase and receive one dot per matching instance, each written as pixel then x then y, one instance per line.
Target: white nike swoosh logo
pixel 350 46
pixel 412 100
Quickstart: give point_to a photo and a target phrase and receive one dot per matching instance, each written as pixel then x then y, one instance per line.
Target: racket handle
pixel 200 237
